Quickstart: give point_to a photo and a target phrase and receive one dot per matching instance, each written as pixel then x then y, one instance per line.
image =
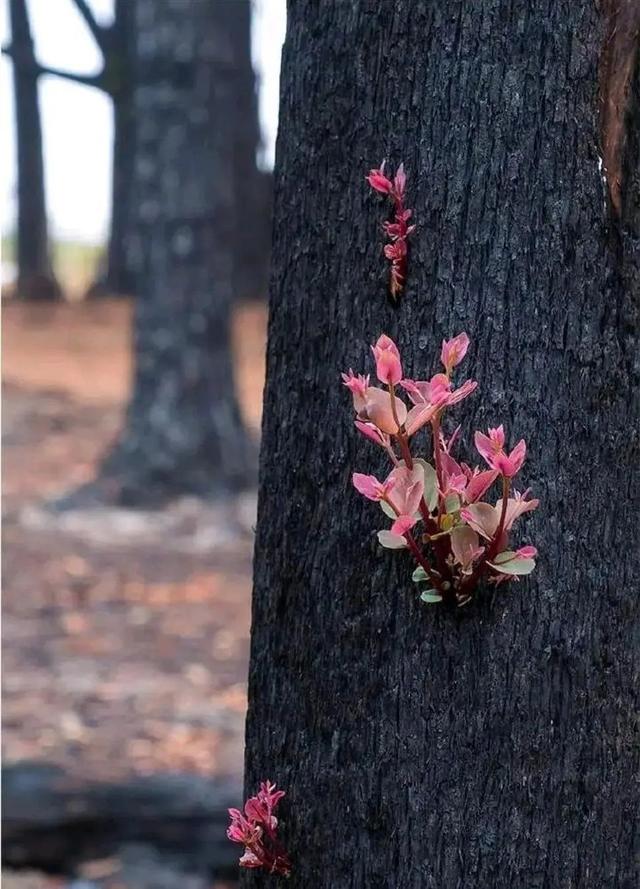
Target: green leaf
pixel 388 510
pixel 431 597
pixel 452 503
pixel 419 575
pixel 390 540
pixel 430 484
pixel 505 556
pixel 430 481
pixel 510 563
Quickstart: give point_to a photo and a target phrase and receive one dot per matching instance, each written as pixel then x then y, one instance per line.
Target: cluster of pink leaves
pixel 256 828
pixel 463 538
pixel 398 229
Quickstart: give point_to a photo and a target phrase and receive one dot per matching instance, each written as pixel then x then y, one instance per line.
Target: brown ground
pixel 125 636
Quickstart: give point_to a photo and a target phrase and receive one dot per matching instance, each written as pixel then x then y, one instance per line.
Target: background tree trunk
pixel 183 428
pixel 420 748
pixel 119 279
pixel 119 44
pixel 253 187
pixel 35 278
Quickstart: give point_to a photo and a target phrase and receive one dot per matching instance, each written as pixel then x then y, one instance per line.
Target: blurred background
pixel 137 148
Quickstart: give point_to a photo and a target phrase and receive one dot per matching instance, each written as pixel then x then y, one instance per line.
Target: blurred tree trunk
pixel 118 43
pixel 421 748
pixel 35 279
pixel 115 42
pixel 253 186
pixel 183 430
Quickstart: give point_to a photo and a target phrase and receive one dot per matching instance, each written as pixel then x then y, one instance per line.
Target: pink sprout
pixel 463 537
pixel 398 229
pixel 453 351
pixel 388 366
pixel 256 829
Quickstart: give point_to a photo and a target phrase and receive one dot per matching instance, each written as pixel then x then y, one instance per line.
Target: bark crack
pixel 618 62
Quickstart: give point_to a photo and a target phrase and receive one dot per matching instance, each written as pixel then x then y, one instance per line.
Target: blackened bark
pixel 497 747
pixel 183 429
pixel 35 278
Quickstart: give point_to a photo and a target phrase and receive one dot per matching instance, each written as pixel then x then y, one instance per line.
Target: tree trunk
pixel 183 429
pixel 497 746
pixel 35 278
pixel 252 186
pixel 51 821
pixel 119 278
pixel 117 274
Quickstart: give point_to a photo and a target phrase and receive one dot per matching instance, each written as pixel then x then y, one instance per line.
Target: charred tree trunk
pixel 183 429
pixel 118 41
pixel 117 44
pixel 252 187
pixel 35 278
pixel 252 239
pixel 119 277
pixel 421 748
pixel 116 79
pixel 53 822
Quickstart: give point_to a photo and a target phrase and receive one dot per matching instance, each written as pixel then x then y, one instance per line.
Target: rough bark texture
pixel 420 748
pixel 183 429
pixel 35 276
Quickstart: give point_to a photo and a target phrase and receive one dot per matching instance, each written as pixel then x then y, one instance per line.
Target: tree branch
pixel 98 31
pixel 94 80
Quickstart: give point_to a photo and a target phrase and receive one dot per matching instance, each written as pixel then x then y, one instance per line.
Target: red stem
pixel 415 549
pixel 420 559
pixel 394 413
pixel 404 450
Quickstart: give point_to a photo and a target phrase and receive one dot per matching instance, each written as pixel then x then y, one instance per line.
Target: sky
pixel 76 120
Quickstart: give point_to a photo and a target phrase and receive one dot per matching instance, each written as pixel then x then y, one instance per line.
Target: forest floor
pixel 125 634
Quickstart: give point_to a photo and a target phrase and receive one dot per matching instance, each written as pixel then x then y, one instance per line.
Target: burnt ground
pixel 125 634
